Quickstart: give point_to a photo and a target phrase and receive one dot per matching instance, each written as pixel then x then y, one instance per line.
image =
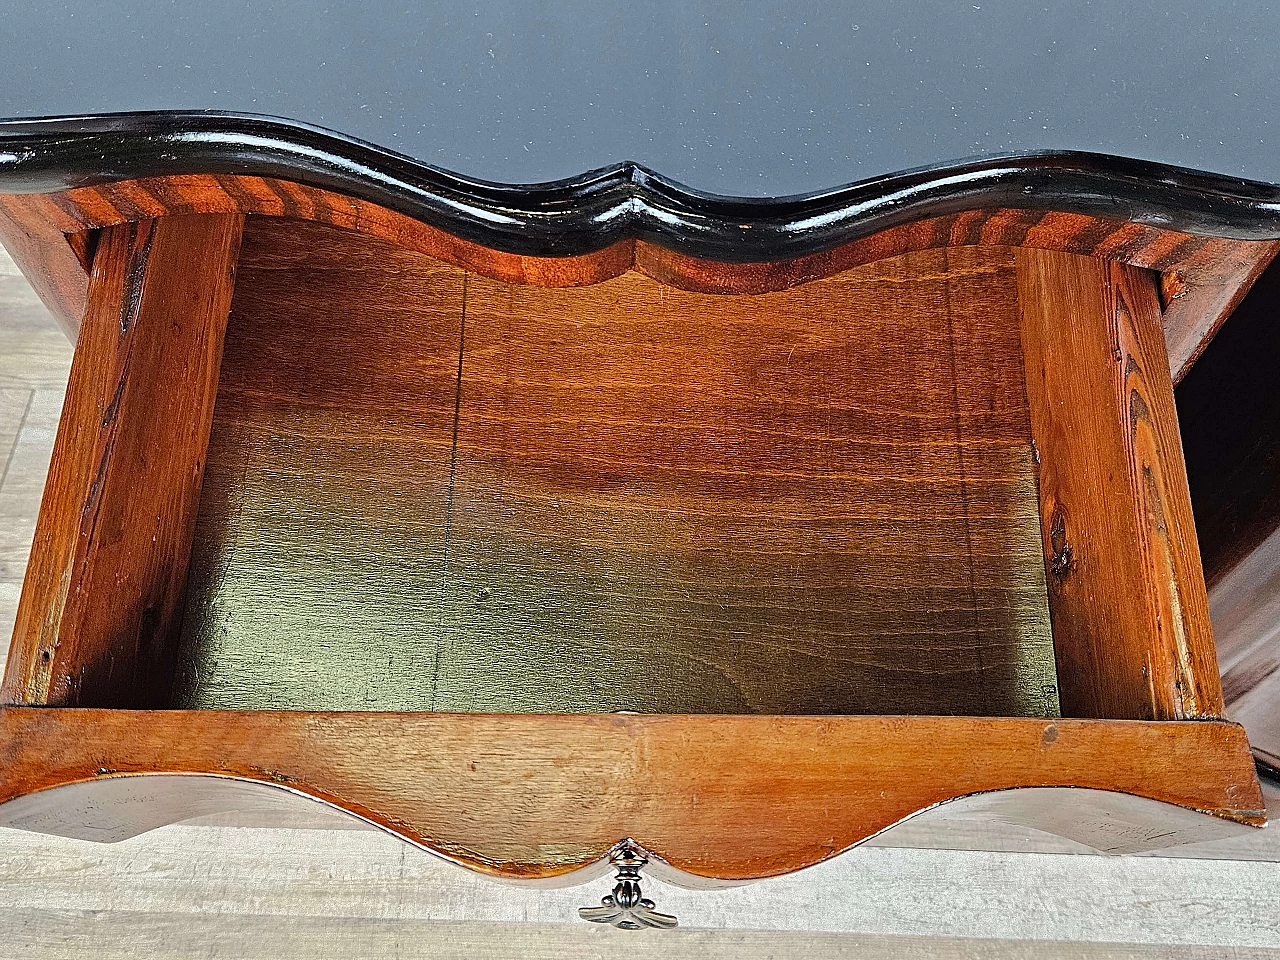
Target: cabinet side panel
pixel 1127 594
pixel 103 591
pixel 47 257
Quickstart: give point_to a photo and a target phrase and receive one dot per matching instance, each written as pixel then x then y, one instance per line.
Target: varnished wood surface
pixel 431 490
pixel 540 796
pixel 1076 820
pixel 1130 613
pixel 48 259
pixel 98 618
pixel 1229 777
pixel 261 892
pixel 1195 310
pixel 1208 273
pixel 309 891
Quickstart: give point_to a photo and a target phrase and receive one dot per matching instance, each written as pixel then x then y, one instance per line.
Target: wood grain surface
pixel 1208 274
pixel 540 796
pixel 1195 310
pixel 101 602
pixel 43 249
pixel 325 892
pixel 343 892
pixel 1130 613
pixel 455 493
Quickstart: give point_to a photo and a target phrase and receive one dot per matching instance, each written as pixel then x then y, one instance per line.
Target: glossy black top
pixel 626 200
pixel 734 98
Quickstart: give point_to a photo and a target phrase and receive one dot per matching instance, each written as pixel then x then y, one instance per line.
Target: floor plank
pixel 23 484
pixel 13 410
pixel 35 353
pixel 210 872
pixel 108 936
pixel 9 590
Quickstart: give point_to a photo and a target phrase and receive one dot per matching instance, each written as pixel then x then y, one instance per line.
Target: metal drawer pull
pixel 627 908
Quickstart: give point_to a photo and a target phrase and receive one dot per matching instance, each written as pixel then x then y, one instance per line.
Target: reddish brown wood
pixel 819 500
pixel 1131 243
pixel 1130 614
pixel 1212 272
pixel 50 263
pixel 1196 309
pixel 861 428
pixel 84 244
pixel 99 608
pixel 719 797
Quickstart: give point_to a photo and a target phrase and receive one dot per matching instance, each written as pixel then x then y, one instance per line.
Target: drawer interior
pixel 427 489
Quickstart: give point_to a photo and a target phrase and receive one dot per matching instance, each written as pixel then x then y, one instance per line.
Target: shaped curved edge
pixel 624 201
pixel 539 797
pixel 115 807
pixel 1106 821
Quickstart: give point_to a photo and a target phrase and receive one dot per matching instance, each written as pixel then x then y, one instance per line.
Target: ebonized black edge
pixel 623 201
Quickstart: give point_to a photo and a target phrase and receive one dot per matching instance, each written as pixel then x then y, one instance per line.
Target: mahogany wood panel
pixel 84 245
pixel 819 500
pixel 48 260
pixel 440 481
pixel 539 796
pixel 1210 271
pixel 1130 613
pixel 102 596
pixel 318 572
pixel 1195 310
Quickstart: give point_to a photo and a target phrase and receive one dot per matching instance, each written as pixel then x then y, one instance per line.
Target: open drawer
pixel 529 558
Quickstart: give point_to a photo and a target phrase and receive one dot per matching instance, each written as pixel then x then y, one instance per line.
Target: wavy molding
pixel 1209 236
pixel 112 808
pixel 627 200
pixel 538 797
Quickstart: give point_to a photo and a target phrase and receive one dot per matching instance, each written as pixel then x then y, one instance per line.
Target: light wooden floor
pixel 321 888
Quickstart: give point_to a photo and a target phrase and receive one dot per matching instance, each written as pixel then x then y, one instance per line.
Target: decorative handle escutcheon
pixel 626 908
